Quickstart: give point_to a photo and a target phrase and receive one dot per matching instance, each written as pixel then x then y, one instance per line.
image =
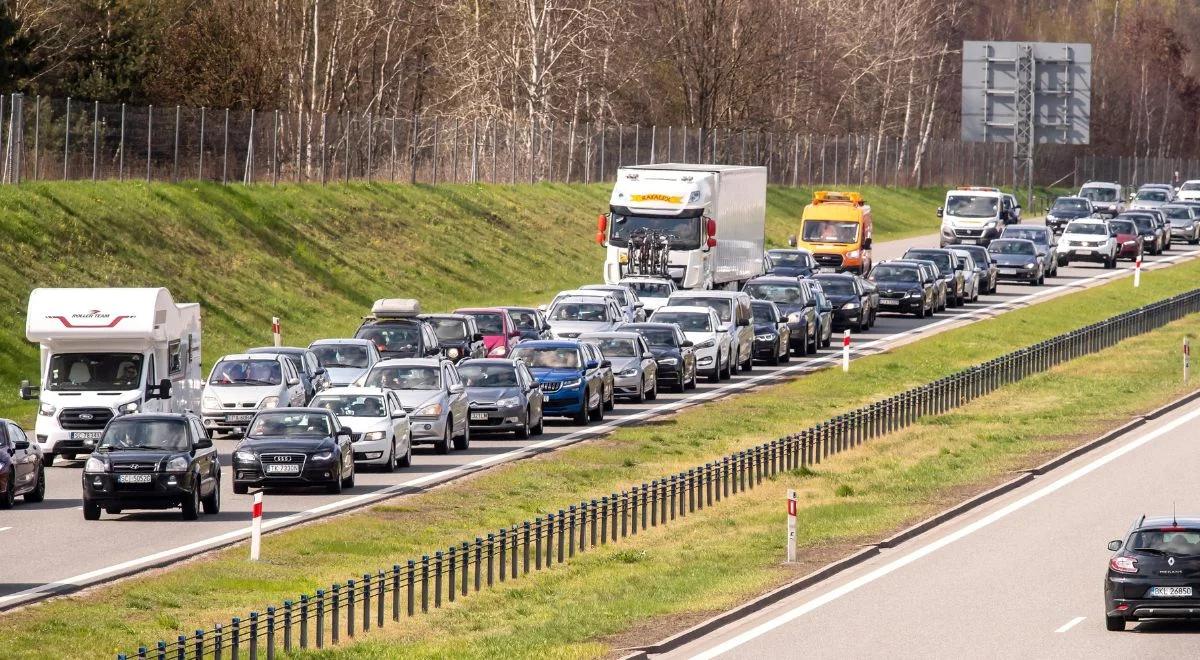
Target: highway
pixel 1021 576
pixel 71 553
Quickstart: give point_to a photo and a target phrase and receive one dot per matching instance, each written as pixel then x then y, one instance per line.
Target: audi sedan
pixel 292 447
pixel 1154 572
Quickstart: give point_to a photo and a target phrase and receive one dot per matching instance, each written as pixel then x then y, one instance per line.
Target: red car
pixel 500 335
pixel 1129 243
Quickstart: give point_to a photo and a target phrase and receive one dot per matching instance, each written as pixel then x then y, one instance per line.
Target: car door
pixel 206 460
pixel 456 395
pixel 320 376
pixel 295 386
pixel 687 353
pixel 23 460
pixel 533 394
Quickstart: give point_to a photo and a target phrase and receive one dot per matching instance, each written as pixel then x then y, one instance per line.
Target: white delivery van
pixel 973 215
pixel 1105 197
pixel 106 353
pixel 713 218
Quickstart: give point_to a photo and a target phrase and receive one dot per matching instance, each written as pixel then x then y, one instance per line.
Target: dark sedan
pixel 458 336
pixel 1066 209
pixel 504 396
pixel 772 333
pixel 987 278
pixel 672 351
pixel 793 263
pixel 852 304
pixel 905 289
pixel 289 447
pixel 22 468
pixel 796 303
pixel 153 461
pixel 1154 573
pixel 1018 260
pixel 947 263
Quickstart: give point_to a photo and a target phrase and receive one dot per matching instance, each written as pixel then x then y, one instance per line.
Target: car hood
pixel 413 399
pixel 651 304
pixel 1146 204
pixel 698 337
pixel 665 352
pixel 763 328
pixel 269 443
pixel 840 299
pixel 1181 222
pixel 490 395
pixel 551 375
pixel 145 459
pixel 365 424
pixel 790 308
pixel 578 327
pixel 344 375
pixel 1088 238
pixel 1121 238
pixel 622 363
pixel 1014 259
pixel 1068 215
pixel 791 271
pixel 242 394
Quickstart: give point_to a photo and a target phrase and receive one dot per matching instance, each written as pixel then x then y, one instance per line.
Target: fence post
pixel 95 134
pixel 225 151
pixel 67 140
pixel 320 618
pixel 395 592
pixel 275 150
pixel 412 580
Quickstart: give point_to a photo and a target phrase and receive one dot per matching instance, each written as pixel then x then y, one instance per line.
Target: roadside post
pixel 278 337
pixel 1137 272
pixel 256 526
pixel 846 350
pixel 1187 359
pixel 791 526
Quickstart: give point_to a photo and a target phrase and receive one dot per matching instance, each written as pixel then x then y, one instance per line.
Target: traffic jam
pixel 687 293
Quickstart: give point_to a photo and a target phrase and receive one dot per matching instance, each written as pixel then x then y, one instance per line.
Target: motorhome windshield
pixel 683 233
pixel 971 206
pixel 94 372
pixel 1099 194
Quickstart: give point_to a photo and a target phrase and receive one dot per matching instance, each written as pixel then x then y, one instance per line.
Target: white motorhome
pixel 106 353
pixel 714 217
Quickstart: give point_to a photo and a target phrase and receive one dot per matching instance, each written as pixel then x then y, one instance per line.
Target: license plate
pixel 283 469
pixel 1083 251
pixel 238 418
pixel 1171 592
pixel 889 303
pixel 134 478
pixel 1008 271
pixel 86 435
pixel 479 416
pixel 969 241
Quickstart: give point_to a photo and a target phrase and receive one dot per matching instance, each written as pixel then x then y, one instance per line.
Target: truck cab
pixel 974 215
pixel 836 228
pixel 106 353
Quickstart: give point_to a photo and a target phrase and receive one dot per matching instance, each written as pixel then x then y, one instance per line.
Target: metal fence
pixel 1133 171
pixel 45 138
pixel 333 615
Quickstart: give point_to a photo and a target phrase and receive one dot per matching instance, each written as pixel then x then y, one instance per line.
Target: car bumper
pixel 371 451
pixel 1084 254
pixel 846 317
pixel 427 430
pixel 969 236
pixel 497 419
pixel 1017 275
pixel 901 305
pixel 1128 251
pixel 766 348
pixel 164 491
pixel 706 361
pixel 226 422
pixel 669 372
pixel 564 403
pixel 1183 232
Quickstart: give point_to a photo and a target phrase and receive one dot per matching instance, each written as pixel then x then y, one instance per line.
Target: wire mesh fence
pixel 331 616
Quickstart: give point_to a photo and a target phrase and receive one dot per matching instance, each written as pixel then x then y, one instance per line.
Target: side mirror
pixel 605 364
pixel 940 211
pixel 478 336
pixel 592 364
pixel 320 371
pixel 163 391
pixel 515 333
pixel 1114 545
pixel 686 343
pixel 639 304
pixel 792 240
pixel 293 381
pixel 722 329
pixel 647 356
pixel 456 388
pixel 743 322
pixel 399 414
pixel 811 303
pixel 344 433
pixel 867 243
pixel 542 308
pixel 27 391
pixel 21 445
pixel 545 327
pixel 202 443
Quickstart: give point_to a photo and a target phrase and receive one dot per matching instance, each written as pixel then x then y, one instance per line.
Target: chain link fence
pixel 330 616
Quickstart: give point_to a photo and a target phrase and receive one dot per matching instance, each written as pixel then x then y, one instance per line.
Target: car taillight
pixel 1123 564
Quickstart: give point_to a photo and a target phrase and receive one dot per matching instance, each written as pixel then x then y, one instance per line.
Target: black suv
pixel 294 447
pixel 152 461
pixel 403 337
pixel 1155 573
pixel 458 336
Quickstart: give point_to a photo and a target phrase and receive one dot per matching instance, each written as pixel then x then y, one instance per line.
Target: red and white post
pixel 256 526
pixel 275 333
pixel 1137 272
pixel 846 350
pixel 791 526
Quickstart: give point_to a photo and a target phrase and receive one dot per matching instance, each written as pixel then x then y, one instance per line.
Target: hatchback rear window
pixel 1167 540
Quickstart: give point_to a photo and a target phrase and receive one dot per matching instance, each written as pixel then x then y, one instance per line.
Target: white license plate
pixel 969 241
pixel 1083 251
pixel 889 303
pixel 1171 592
pixel 238 418
pixel 282 469
pixel 1008 271
pixel 86 435
pixel 134 478
pixel 479 416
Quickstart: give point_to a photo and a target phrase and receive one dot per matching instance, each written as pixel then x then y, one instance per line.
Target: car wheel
pixel 464 441
pixel 774 359
pixel 48 459
pixel 716 374
pixel 39 492
pixel 802 349
pixel 1114 623
pixel 8 498
pixel 348 482
pixel 611 401
pixel 442 446
pixel 585 411
pixel 524 432
pixel 191 506
pixel 540 427
pixel 212 503
pixel 598 414
pixel 334 487
pixel 787 351
pixel 681 385
pixel 390 464
pixel 653 393
pixel 730 367
pixel 240 489
pixel 406 458
pixel 641 395
pixel 749 364
pixel 91 511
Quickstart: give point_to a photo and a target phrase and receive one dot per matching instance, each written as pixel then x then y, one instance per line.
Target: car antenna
pixel 1174 523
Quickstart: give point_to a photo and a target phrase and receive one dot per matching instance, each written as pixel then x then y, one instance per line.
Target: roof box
pixel 394 308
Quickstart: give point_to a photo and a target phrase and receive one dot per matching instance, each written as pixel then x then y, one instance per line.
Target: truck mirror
pixel 867 243
pixel 792 240
pixel 163 391
pixel 26 391
pixel 940 211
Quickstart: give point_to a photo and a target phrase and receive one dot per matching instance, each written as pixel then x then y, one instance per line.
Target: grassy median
pixel 222 585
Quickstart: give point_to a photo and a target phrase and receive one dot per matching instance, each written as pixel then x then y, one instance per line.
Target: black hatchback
pixel 152 461
pixel 1155 573
pixel 290 447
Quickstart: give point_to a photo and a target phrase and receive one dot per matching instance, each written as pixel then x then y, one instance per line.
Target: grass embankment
pixel 714 560
pixel 317 256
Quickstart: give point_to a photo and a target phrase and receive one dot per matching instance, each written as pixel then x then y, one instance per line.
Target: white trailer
pixel 106 353
pixel 714 216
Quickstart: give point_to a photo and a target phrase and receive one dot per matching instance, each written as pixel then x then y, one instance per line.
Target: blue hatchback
pixel 573 385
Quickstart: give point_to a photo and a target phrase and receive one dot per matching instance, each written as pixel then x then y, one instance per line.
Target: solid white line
pixel 5 529
pixel 935 545
pixel 1070 624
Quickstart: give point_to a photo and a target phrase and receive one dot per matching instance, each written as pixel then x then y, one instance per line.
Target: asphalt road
pixel 1020 577
pixel 69 553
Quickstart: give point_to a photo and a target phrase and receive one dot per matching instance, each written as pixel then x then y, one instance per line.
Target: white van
pixel 106 353
pixel 974 216
pixel 1105 197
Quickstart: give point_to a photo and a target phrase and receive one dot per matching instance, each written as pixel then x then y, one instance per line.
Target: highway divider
pixel 511 554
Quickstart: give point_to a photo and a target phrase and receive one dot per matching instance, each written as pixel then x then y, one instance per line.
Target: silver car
pixel 432 394
pixel 733 307
pixel 971 273
pixel 571 316
pixel 345 360
pixel 379 428
pixel 635 371
pixel 240 385
pixel 631 306
pixel 504 396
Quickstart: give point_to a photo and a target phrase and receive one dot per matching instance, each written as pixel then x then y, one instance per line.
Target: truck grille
pixel 828 260
pixel 84 419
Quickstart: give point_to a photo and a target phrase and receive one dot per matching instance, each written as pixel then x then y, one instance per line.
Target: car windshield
pixel 341 356
pixel 1099 194
pixel 163 434
pixel 649 289
pixel 687 321
pixel 392 337
pixel 837 286
pixel 578 311
pixel 547 357
pixel 1151 195
pixel 616 292
pixel 91 372
pixel 791 258
pixel 763 313
pixel 488 375
pixel 489 323
pixel 885 272
pixel 683 233
pixel 722 306
pixel 829 231
pixel 246 372
pixel 404 377
pixel 1190 185
pixel 660 337
pixel 1070 206
pixel 1169 540
pixel 1002 246
pixel 1178 212
pixel 1145 224
pixel 1088 228
pixel 942 259
pixel 1122 226
pixel 448 329
pixel 1036 235
pixel 787 294
pixel 611 347
pixel 971 206
pixel 290 425
pixel 351 405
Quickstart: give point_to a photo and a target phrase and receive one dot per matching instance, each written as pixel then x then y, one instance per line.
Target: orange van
pixel 836 228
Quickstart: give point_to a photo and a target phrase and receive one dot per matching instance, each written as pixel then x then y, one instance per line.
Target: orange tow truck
pixel 836 228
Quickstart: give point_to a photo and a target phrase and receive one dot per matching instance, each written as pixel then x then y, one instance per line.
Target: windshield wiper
pixel 1153 551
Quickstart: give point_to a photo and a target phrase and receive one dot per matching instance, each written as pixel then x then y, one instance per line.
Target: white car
pixel 631 306
pixel 241 384
pixel 571 315
pixel 710 340
pixel 1189 190
pixel 1088 240
pixel 1150 197
pixel 345 360
pixel 380 430
pixel 652 291
pixel 736 314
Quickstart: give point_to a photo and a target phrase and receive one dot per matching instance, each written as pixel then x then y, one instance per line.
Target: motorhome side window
pixel 174 358
pixel 93 372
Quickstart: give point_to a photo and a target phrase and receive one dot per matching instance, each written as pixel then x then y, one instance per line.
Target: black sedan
pixel 1066 209
pixel 796 303
pixel 153 461
pixel 1155 573
pixel 457 334
pixel 287 447
pixel 793 263
pixel 672 351
pixel 904 289
pixel 1017 259
pixel 772 333
pixel 852 303
pixel 951 271
pixel 22 469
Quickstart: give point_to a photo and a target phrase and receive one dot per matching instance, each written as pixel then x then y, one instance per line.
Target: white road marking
pixel 1070 624
pixel 933 546
pixel 5 529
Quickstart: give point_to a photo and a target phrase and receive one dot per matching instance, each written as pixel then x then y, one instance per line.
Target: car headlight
pixel 989 225
pixel 508 402
pixel 269 402
pixel 628 373
pixel 853 254
pixel 209 401
pixel 177 464
pixel 794 317
pixel 375 435
pixel 498 351
pixel 431 410
pixel 850 306
pixel 47 410
pixel 1129 243
pixel 669 361
pixel 569 384
pixel 95 465
pixel 707 343
pixel 1028 266
pixel 243 456
pixel 322 457
pixel 770 336
pixel 1051 216
pixel 128 408
pixel 915 294
pixel 452 353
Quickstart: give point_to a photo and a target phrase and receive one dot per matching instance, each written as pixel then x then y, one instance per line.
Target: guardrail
pixel 331 616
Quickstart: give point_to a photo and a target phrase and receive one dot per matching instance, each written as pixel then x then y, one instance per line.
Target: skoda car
pixel 635 370
pixel 379 427
pixel 673 351
pixel 797 304
pixel 345 360
pixel 904 288
pixel 772 333
pixel 504 396
pixel 1018 260
pixel 294 447
pixel 433 396
pixel 852 304
pixel 1154 572
pixel 572 382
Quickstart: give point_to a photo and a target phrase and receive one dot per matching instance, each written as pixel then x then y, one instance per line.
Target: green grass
pixel 318 256
pixel 886 491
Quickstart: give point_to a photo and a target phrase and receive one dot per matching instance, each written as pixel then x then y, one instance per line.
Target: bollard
pixel 412 583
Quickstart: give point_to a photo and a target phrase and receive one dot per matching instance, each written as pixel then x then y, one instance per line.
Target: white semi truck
pixel 708 223
pixel 106 353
